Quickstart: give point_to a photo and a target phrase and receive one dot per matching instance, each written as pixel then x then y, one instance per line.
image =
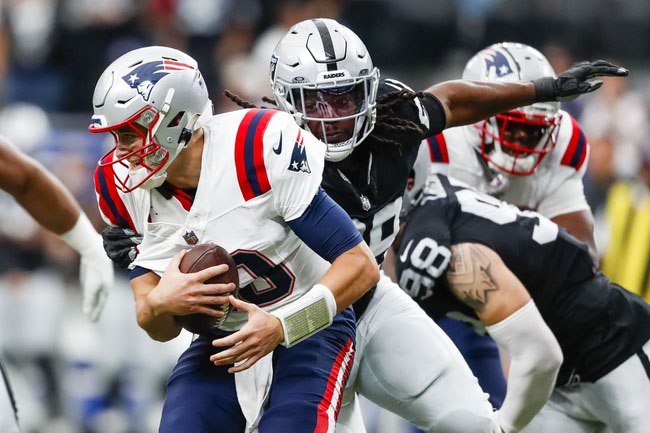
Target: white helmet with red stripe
pixel 516 141
pixel 160 94
pixel 322 73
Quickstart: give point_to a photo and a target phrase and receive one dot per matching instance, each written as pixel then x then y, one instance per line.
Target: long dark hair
pixel 387 124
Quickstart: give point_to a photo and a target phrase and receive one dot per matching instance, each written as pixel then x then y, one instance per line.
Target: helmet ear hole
pixel 176 120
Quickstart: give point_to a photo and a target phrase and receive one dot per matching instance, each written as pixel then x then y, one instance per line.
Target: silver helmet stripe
pixel 328 45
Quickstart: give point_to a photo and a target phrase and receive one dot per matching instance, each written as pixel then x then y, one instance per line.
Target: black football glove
pixel 575 81
pixel 120 245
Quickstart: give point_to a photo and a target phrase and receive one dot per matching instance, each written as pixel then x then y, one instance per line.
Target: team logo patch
pixel 190 237
pixel 299 162
pixel 496 63
pixel 144 78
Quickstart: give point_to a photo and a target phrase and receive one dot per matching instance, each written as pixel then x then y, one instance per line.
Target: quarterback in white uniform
pixel 249 181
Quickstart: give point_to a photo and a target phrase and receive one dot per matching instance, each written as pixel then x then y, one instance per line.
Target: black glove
pixel 575 81
pixel 120 245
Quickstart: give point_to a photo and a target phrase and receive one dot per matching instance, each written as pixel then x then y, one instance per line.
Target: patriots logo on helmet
pixel 496 63
pixel 299 157
pixel 145 76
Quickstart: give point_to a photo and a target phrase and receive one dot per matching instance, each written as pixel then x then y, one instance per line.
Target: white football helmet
pixel 313 68
pixel 516 141
pixel 160 90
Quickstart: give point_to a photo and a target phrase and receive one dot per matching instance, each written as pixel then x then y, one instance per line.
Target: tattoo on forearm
pixel 469 275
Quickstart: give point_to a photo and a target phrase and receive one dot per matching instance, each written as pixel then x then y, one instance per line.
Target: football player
pixel 534 157
pixel 322 73
pixel 570 333
pixel 249 181
pixel 53 207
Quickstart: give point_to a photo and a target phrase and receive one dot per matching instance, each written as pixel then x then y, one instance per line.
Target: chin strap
pixel 195 122
pixel 497 181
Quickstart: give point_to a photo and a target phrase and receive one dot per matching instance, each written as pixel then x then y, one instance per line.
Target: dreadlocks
pixel 387 122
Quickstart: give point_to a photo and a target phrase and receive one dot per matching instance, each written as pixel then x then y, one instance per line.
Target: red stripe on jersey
pixel 112 188
pixel 577 150
pixel 103 206
pixel 108 173
pixel 438 149
pixel 183 197
pixel 333 385
pixel 240 163
pixel 258 153
pixel 443 147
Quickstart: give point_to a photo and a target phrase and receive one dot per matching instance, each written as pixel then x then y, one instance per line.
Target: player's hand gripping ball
pixel 201 257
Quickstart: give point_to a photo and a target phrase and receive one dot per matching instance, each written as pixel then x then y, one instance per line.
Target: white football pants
pixel 619 402
pixel 406 364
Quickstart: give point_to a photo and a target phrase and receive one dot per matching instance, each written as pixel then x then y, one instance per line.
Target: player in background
pixel 249 181
pixel 571 334
pixel 54 208
pixel 322 74
pixel 534 157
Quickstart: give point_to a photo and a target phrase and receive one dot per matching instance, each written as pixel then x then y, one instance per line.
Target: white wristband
pixel 83 236
pixel 302 318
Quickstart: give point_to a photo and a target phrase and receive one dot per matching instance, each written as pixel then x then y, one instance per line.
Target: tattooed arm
pixel 480 279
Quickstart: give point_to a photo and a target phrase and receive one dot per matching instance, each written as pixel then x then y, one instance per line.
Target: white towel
pixel 253 386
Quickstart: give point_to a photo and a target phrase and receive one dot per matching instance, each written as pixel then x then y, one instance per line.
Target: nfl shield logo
pixel 190 237
pixel 365 202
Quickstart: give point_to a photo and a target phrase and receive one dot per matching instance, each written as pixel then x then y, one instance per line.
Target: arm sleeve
pixel 294 161
pixel 436 112
pixel 326 228
pixel 138 271
pixel 427 111
pixel 535 360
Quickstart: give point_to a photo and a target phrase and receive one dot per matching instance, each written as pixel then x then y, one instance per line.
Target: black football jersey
pixel 371 192
pixel 597 323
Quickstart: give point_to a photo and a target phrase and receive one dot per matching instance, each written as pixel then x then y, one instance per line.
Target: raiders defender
pixel 534 157
pixel 322 73
pixel 571 333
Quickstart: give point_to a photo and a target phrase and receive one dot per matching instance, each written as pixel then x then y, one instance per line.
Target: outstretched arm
pixel 467 102
pixel 480 279
pixel 37 190
pixel 53 207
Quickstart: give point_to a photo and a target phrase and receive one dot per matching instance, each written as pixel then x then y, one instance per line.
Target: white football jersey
pixel 554 189
pixel 259 170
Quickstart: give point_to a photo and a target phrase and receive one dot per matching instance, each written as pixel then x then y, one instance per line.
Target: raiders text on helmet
pixel 315 63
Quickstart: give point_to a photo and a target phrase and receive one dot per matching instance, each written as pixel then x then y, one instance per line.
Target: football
pixel 197 259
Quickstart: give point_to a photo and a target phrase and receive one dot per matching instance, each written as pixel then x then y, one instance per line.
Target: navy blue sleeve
pixel 326 228
pixel 138 271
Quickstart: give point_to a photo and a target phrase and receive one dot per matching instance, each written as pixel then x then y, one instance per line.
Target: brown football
pixel 198 258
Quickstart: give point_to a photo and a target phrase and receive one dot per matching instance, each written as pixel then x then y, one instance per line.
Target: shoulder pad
pixel 438 148
pixel 577 149
pixel 109 198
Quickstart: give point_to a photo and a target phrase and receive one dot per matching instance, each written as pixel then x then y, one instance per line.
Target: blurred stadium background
pixel 70 376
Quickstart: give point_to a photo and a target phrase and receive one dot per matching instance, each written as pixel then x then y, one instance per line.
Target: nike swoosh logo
pixel 405 254
pixel 278 150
